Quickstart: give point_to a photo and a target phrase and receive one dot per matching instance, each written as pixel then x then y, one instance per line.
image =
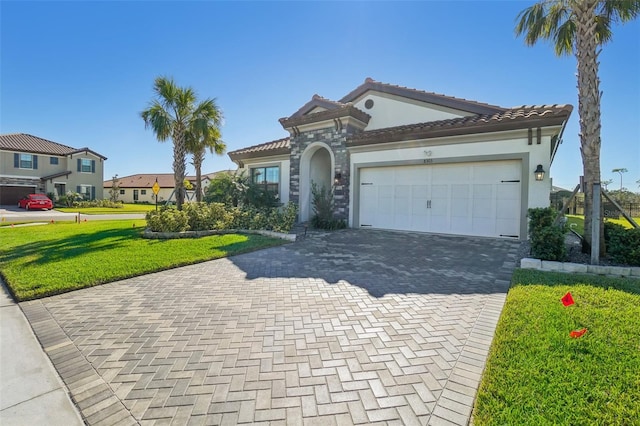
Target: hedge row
pixel 214 216
pixel 547 240
pixel 623 245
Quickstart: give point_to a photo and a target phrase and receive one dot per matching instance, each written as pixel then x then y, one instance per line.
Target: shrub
pixel 547 240
pixel 282 219
pixel 323 208
pixel 202 216
pixel 99 203
pixel 167 220
pixel 623 245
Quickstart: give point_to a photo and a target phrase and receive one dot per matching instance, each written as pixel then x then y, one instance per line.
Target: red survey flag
pixel 567 299
pixel 577 333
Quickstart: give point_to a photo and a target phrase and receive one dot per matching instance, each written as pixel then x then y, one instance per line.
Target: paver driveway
pixel 343 328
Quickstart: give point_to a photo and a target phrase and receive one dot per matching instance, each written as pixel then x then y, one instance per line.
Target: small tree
pixel 114 192
pixel 239 191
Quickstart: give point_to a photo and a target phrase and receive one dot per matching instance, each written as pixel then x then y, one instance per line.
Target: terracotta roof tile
pixel 147 180
pixel 316 101
pixel 279 146
pixel 509 119
pixel 23 142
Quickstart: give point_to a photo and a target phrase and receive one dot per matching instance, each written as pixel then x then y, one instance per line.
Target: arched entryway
pixel 316 165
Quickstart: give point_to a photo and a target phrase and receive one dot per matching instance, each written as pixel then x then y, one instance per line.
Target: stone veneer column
pixel 335 139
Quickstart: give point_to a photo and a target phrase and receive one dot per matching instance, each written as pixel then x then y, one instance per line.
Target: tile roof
pixel 420 95
pixel 165 180
pixel 147 180
pixel 280 146
pixel 510 119
pixel 23 142
pixel 317 101
pixel 347 110
pixel 485 118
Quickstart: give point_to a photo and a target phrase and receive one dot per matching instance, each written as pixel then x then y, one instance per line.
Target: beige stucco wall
pixel 149 197
pixel 65 163
pixel 389 110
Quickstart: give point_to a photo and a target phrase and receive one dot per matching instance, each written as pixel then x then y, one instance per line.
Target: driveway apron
pixel 349 327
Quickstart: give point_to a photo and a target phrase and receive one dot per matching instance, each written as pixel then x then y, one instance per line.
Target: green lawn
pixel 126 208
pixel 38 261
pixel 536 374
pixel 577 222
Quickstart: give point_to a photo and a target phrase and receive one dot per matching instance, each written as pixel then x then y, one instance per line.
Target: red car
pixel 35 201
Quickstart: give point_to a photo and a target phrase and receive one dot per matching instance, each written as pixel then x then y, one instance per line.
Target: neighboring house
pixel 139 188
pixel 405 159
pixel 29 164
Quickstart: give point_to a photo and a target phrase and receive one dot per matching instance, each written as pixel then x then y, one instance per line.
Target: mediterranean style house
pixel 139 188
pixel 406 159
pixel 29 164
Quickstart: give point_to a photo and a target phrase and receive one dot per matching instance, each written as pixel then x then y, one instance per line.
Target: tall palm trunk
pixel 179 164
pixel 588 108
pixel 198 159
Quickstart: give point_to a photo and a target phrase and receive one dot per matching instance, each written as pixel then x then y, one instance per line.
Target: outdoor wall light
pixel 337 178
pixel 539 172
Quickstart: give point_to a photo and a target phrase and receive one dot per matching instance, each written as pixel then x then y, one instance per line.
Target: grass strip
pixel 125 209
pixel 55 258
pixel 536 374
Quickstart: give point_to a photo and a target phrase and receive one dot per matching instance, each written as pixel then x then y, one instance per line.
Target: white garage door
pixel 463 198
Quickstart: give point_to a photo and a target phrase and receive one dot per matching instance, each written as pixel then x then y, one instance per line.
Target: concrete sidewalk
pixel 31 392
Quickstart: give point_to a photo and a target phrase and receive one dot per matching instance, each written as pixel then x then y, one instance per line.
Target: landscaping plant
pixel 547 240
pixel 623 245
pixel 323 208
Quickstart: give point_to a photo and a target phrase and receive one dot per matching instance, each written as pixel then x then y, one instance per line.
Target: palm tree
pixel 172 115
pixel 579 27
pixel 198 143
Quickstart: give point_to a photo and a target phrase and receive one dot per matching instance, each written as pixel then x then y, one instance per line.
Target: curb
pixel 548 265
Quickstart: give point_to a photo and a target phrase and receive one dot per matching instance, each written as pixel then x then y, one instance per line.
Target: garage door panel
pixel 11 194
pixel 462 198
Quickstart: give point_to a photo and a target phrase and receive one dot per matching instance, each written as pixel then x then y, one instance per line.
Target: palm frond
pixel 619 11
pixel 158 119
pixel 564 37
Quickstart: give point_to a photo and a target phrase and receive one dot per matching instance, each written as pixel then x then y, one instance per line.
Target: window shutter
pixel 16 161
pixel 79 165
pixel 93 192
pixel 35 162
pixel 78 189
pixel 93 166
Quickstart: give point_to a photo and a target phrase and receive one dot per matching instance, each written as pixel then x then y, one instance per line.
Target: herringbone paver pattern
pixel 351 327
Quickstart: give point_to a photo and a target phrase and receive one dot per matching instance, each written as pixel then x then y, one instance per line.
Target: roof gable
pixel 316 104
pixel 517 118
pixel 445 101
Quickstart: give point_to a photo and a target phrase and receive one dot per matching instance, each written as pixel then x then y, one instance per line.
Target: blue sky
pixel 79 73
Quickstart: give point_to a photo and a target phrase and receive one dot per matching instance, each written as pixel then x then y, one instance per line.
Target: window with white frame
pixel 53 160
pixel 268 177
pixel 85 191
pixel 85 165
pixel 26 161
